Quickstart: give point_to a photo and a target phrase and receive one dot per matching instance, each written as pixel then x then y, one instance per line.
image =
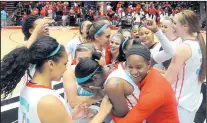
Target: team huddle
pixel 152 74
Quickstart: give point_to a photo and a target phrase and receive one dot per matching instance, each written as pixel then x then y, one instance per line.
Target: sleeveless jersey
pixel 29 99
pixel 122 66
pixel 187 87
pixel 132 99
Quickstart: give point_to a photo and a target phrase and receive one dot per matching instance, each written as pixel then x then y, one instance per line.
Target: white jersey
pixel 156 49
pixel 29 99
pixel 133 98
pixel 72 45
pixel 187 86
pixel 122 66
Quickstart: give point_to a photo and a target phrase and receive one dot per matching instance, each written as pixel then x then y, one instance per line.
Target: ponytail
pixel 15 63
pixel 13 67
pixel 87 31
pixel 202 74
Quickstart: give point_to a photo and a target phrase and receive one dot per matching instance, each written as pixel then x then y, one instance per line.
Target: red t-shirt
pixel 43 12
pixel 157 103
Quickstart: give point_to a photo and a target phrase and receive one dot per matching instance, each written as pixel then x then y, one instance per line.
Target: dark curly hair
pixel 15 63
pixel 28 24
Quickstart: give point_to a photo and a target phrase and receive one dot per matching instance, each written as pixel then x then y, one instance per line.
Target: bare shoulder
pixel 49 101
pixel 183 51
pixel 113 83
pixel 47 107
pixel 183 47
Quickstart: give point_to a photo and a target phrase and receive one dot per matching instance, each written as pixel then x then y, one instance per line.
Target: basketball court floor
pixel 10 39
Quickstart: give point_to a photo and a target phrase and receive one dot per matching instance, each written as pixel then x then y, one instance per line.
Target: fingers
pixel 106 97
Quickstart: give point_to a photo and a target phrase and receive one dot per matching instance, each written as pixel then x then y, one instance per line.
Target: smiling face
pixel 146 36
pixel 103 39
pixel 167 28
pixel 114 44
pixel 177 26
pixel 135 33
pixel 138 67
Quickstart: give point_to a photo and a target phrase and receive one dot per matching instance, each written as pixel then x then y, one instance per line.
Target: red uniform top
pixel 157 103
pixel 108 55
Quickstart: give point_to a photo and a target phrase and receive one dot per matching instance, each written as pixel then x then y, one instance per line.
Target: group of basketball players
pixel 153 75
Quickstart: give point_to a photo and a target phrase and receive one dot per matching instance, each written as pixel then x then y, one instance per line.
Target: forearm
pixel 120 113
pixel 86 99
pixel 32 38
pixel 161 56
pixel 165 42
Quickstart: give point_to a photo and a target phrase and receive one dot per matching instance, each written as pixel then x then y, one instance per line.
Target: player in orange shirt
pixel 157 103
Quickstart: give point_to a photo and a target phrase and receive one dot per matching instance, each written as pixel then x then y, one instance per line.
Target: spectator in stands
pixel 24 16
pixel 65 16
pixel 43 12
pixel 50 12
pixel 3 17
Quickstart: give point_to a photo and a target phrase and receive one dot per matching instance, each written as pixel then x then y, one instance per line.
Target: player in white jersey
pixel 37 101
pixel 74 93
pixel 72 44
pixel 159 54
pixel 187 70
pixel 27 29
pixel 120 88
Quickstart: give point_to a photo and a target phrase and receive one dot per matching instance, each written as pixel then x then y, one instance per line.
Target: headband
pixel 84 79
pixel 55 51
pixel 141 51
pixel 102 28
